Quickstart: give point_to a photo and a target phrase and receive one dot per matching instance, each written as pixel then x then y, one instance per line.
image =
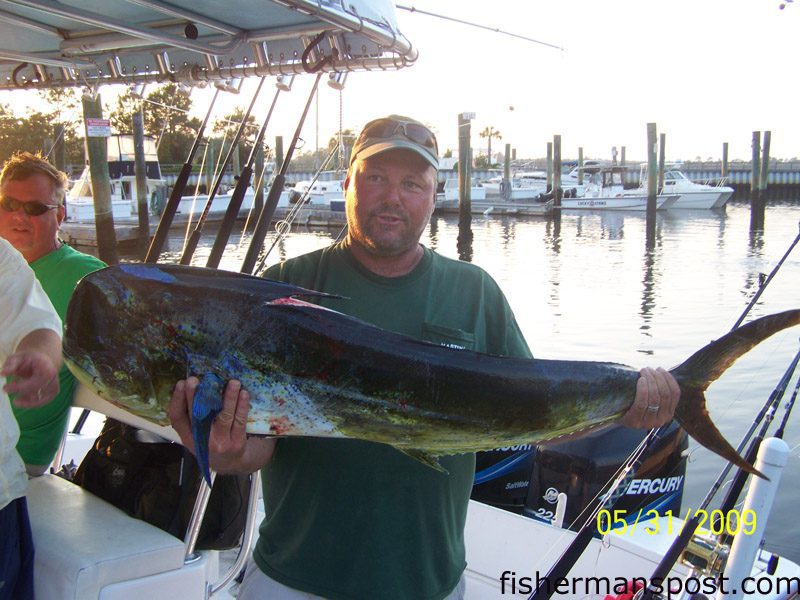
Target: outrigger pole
pixel 157 244
pixel 194 238
pixel 238 193
pixel 265 217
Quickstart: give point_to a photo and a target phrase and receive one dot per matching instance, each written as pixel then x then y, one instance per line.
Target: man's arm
pixel 229 448
pixel 34 366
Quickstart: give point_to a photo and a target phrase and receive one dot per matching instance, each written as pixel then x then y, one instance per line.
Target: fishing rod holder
pixel 705 554
pixel 284 82
pixel 232 85
pixel 337 79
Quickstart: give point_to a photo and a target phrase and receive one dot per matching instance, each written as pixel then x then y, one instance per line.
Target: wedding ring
pixel 652 408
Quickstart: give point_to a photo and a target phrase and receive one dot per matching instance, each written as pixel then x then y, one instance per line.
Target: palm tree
pixel 490 132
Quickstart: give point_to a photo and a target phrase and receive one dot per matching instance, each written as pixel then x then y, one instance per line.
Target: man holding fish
pixel 349 518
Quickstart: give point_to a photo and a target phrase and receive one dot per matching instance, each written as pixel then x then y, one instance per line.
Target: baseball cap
pixel 396 132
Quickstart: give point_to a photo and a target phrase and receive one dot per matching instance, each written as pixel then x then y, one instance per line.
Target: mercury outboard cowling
pixel 528 479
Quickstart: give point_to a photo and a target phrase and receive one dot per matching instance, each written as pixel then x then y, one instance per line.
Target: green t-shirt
pixel 41 429
pixel 350 519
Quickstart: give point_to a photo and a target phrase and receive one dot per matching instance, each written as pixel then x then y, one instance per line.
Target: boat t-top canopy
pixel 47 43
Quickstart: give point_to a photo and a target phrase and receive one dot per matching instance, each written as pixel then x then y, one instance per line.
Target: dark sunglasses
pixel 388 128
pixel 33 208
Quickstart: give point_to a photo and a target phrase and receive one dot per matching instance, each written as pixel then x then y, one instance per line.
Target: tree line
pixel 166 119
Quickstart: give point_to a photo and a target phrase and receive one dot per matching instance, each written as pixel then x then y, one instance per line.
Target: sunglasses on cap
pixel 34 208
pixel 387 128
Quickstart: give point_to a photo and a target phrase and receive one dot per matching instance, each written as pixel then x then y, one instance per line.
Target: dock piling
pixel 507 173
pixel 556 170
pixel 464 181
pixel 652 183
pixel 97 154
pixel 140 169
pixel 724 172
pixel 756 199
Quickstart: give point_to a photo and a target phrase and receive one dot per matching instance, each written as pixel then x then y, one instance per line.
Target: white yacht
pixel 691 194
pixel 606 191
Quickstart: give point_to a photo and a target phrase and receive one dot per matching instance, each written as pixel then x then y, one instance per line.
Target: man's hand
pixel 35 378
pixel 229 448
pixel 657 395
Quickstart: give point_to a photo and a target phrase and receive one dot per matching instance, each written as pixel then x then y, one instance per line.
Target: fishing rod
pixel 160 236
pixel 232 212
pixel 688 530
pixel 788 411
pixel 735 489
pixel 764 285
pixel 547 585
pixel 194 238
pixel 268 210
pixel 680 543
pixel 295 210
pixel 737 485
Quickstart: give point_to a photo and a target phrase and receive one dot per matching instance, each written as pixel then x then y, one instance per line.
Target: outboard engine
pixel 528 479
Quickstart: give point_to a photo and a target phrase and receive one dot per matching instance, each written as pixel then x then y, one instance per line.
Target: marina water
pixel 588 289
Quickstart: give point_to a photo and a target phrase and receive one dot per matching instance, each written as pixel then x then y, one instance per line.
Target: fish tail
pixel 706 365
pixel 692 415
pixel 206 406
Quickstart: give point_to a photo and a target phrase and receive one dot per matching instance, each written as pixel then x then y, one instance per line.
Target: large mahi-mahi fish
pixel 133 330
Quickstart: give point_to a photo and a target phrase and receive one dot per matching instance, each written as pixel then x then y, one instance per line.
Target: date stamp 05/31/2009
pixel 715 521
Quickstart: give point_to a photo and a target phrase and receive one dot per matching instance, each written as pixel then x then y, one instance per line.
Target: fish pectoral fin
pixel 425 458
pixel 206 406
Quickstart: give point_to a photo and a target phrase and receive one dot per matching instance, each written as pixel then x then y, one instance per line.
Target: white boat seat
pixel 84 544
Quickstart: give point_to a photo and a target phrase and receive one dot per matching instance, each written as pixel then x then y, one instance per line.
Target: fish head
pixel 120 340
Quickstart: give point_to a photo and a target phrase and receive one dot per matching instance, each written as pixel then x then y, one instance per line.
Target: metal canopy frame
pixel 47 43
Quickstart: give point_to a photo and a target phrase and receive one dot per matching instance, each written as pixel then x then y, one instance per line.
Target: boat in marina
pixel 124 191
pixel 524 185
pixel 523 201
pixel 88 549
pixel 606 191
pixel 690 193
pixel 326 194
pixel 477 191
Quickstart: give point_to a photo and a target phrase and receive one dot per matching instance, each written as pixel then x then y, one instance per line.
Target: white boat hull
pixel 195 205
pixel 702 200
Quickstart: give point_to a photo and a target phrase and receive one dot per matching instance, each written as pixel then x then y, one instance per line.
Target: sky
pixel 705 71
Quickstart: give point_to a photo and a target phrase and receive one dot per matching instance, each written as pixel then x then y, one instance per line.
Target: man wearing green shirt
pixel 350 519
pixel 32 195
